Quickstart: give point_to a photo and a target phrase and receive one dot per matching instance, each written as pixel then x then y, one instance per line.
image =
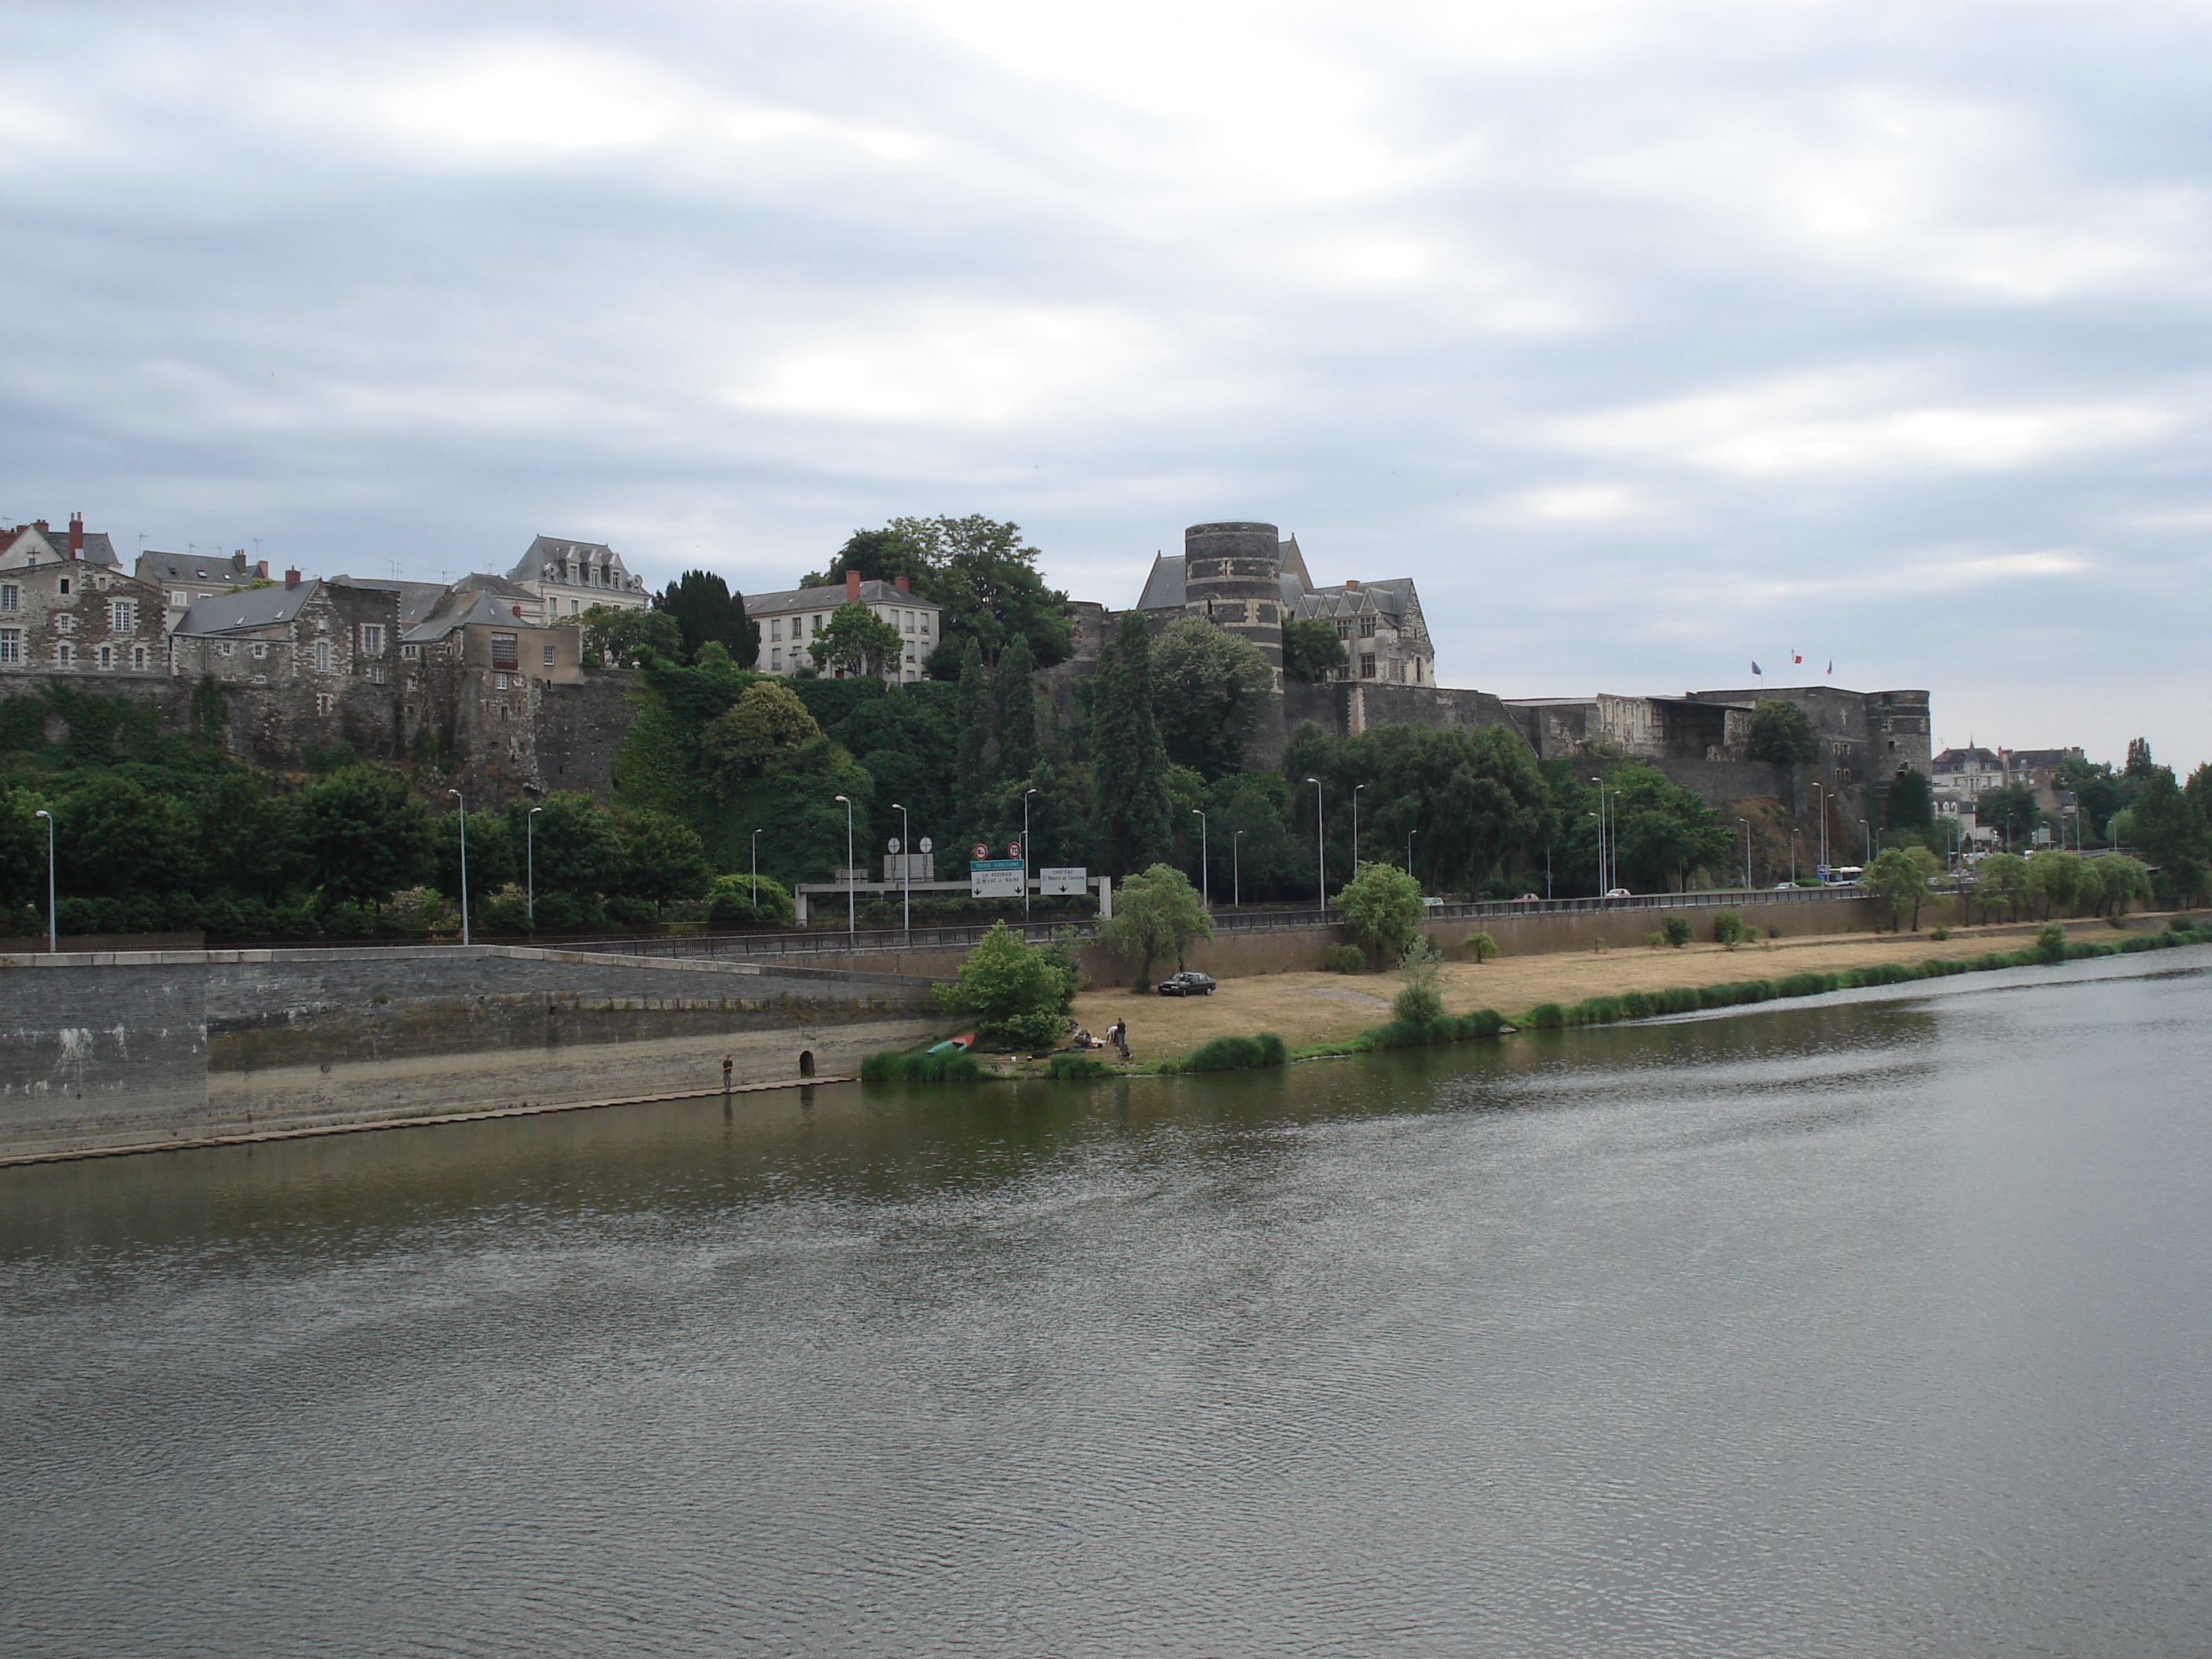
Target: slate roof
pixel 457 610
pixel 98 548
pixel 830 598
pixel 415 599
pixel 546 549
pixel 246 610
pixel 162 566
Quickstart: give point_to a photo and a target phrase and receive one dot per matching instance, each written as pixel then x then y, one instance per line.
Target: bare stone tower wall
pixel 1233 577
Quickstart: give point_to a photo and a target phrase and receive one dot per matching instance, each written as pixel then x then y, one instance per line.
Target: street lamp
pixel 1237 871
pixel 906 871
pixel 1355 788
pixel 1321 845
pixel 1410 834
pixel 530 853
pixel 1820 805
pixel 458 796
pixel 1793 855
pixel 1604 849
pixel 757 867
pixel 53 934
pixel 1746 823
pixel 1864 825
pixel 1205 874
pixel 852 903
pixel 1026 793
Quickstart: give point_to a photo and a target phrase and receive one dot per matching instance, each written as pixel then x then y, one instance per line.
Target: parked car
pixel 1189 983
pixel 1527 898
pixel 1620 892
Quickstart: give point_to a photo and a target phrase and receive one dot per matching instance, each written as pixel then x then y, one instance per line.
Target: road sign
pixel 910 866
pixel 926 845
pixel 1065 880
pixel 892 846
pixel 1013 849
pixel 994 878
pixel 979 851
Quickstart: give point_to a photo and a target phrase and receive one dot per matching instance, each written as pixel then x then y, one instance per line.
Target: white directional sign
pixel 1065 880
pixel 910 866
pixel 994 878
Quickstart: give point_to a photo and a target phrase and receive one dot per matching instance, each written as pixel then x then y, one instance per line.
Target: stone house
pixel 477 673
pixel 67 607
pixel 185 578
pixel 564 578
pixel 789 620
pixel 310 661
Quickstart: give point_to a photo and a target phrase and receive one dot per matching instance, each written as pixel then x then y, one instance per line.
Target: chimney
pixel 261 570
pixel 900 583
pixel 852 586
pixel 76 534
pixel 291 579
pixel 518 611
pixel 238 562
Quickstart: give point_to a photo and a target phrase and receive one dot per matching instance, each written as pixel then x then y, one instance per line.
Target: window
pixel 61 656
pixel 65 624
pixel 775 661
pixel 572 606
pixel 1367 666
pixel 11 596
pixel 817 629
pixel 122 616
pixel 499 682
pixel 138 658
pixel 372 638
pixel 376 673
pixel 548 656
pixel 1367 628
pixel 225 648
pixel 65 584
pixel 776 628
pixel 322 656
pixel 324 702
pixel 11 646
pixel 909 622
pixel 925 622
pixel 410 654
pixel 258 653
pixel 106 657
pixel 505 651
pixel 178 599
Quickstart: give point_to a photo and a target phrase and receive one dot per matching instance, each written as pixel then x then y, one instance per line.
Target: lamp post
pixel 53 931
pixel 1604 849
pixel 1820 805
pixel 1026 793
pixel 1355 788
pixel 1869 828
pixel 1410 834
pixel 530 853
pixel 1746 823
pixel 852 903
pixel 1237 871
pixel 1205 874
pixel 1793 855
pixel 906 873
pixel 1321 845
pixel 757 868
pixel 458 796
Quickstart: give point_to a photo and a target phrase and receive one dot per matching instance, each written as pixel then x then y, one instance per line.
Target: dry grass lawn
pixel 1306 1009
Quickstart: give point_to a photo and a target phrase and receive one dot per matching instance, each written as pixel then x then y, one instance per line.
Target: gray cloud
pixel 1649 339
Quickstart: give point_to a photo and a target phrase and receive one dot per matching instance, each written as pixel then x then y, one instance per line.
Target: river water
pixel 1875 1324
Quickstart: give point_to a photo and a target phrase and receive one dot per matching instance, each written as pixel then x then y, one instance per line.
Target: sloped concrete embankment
pixel 169 1048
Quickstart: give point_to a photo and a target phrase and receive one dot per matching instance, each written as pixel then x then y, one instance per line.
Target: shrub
pixel 1675 930
pixel 1728 929
pixel 1068 1064
pixel 1940 934
pixel 1681 1000
pixel 1545 1017
pixel 1595 1011
pixel 1805 985
pixel 1345 959
pixel 1478 947
pixel 2050 940
pixel 1638 1005
pixel 2180 924
pixel 1014 991
pixel 1656 939
pixel 1237 1053
pixel 1418 1000
pixel 910 1066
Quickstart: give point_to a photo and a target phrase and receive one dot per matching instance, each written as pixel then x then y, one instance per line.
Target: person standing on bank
pixel 1118 1036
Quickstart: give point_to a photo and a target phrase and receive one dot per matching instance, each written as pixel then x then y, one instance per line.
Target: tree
pixel 1015 993
pixel 1419 999
pixel 2001 879
pixel 974 778
pixel 1211 690
pixel 495 857
pixel 364 835
pixel 2097 791
pixel 1661 831
pixel 2168 825
pixel 578 853
pixel 2054 876
pixel 1912 805
pixel 767 732
pixel 2120 880
pixel 1156 914
pixel 744 901
pixel 1016 712
pixel 1780 733
pixel 662 858
pixel 625 638
pixel 1477 798
pixel 702 607
pixel 877 556
pixel 1310 650
pixel 1381 906
pixel 113 837
pixel 857 641
pixel 2139 761
pixel 2011 811
pixel 986 579
pixel 23 849
pixel 1899 877
pixel 1129 761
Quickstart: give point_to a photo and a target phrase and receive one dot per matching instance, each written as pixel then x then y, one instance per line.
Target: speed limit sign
pixel 1013 849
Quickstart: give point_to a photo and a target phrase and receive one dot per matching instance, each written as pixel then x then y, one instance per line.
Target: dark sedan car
pixel 1189 983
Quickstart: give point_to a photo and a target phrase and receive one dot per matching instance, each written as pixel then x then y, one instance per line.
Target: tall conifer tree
pixel 1128 762
pixel 973 785
pixel 1017 687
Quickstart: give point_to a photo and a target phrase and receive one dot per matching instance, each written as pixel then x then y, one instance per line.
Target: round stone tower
pixel 1232 575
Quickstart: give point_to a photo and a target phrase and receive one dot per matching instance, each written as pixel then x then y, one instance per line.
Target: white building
pixel 789 620
pixel 567 578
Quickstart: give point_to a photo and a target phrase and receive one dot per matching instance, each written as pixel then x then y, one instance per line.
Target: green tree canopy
pixel 1381 906
pixel 1912 805
pixel 112 836
pixel 2139 760
pixel 2054 876
pixel 1310 650
pixel 2001 879
pixel 2168 825
pixel 2121 881
pixel 578 852
pixel 986 579
pixel 1014 713
pixel 1662 833
pixel 1016 993
pixel 365 836
pixel 765 733
pixel 1156 914
pixel 856 641
pixel 625 638
pixel 1780 733
pixel 702 607
pixel 1211 692
pixel 1899 877
pixel 878 556
pixel 2010 811
pixel 1129 761
pixel 495 857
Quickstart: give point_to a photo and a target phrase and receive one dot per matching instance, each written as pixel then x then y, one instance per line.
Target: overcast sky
pixel 1649 339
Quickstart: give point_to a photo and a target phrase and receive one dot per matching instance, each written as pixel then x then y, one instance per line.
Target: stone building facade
pixel 67 608
pixel 566 577
pixel 322 658
pixel 187 578
pixel 788 622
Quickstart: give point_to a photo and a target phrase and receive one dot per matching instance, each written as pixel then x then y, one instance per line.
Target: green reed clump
pixel 1070 1065
pixel 1237 1053
pixel 909 1066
